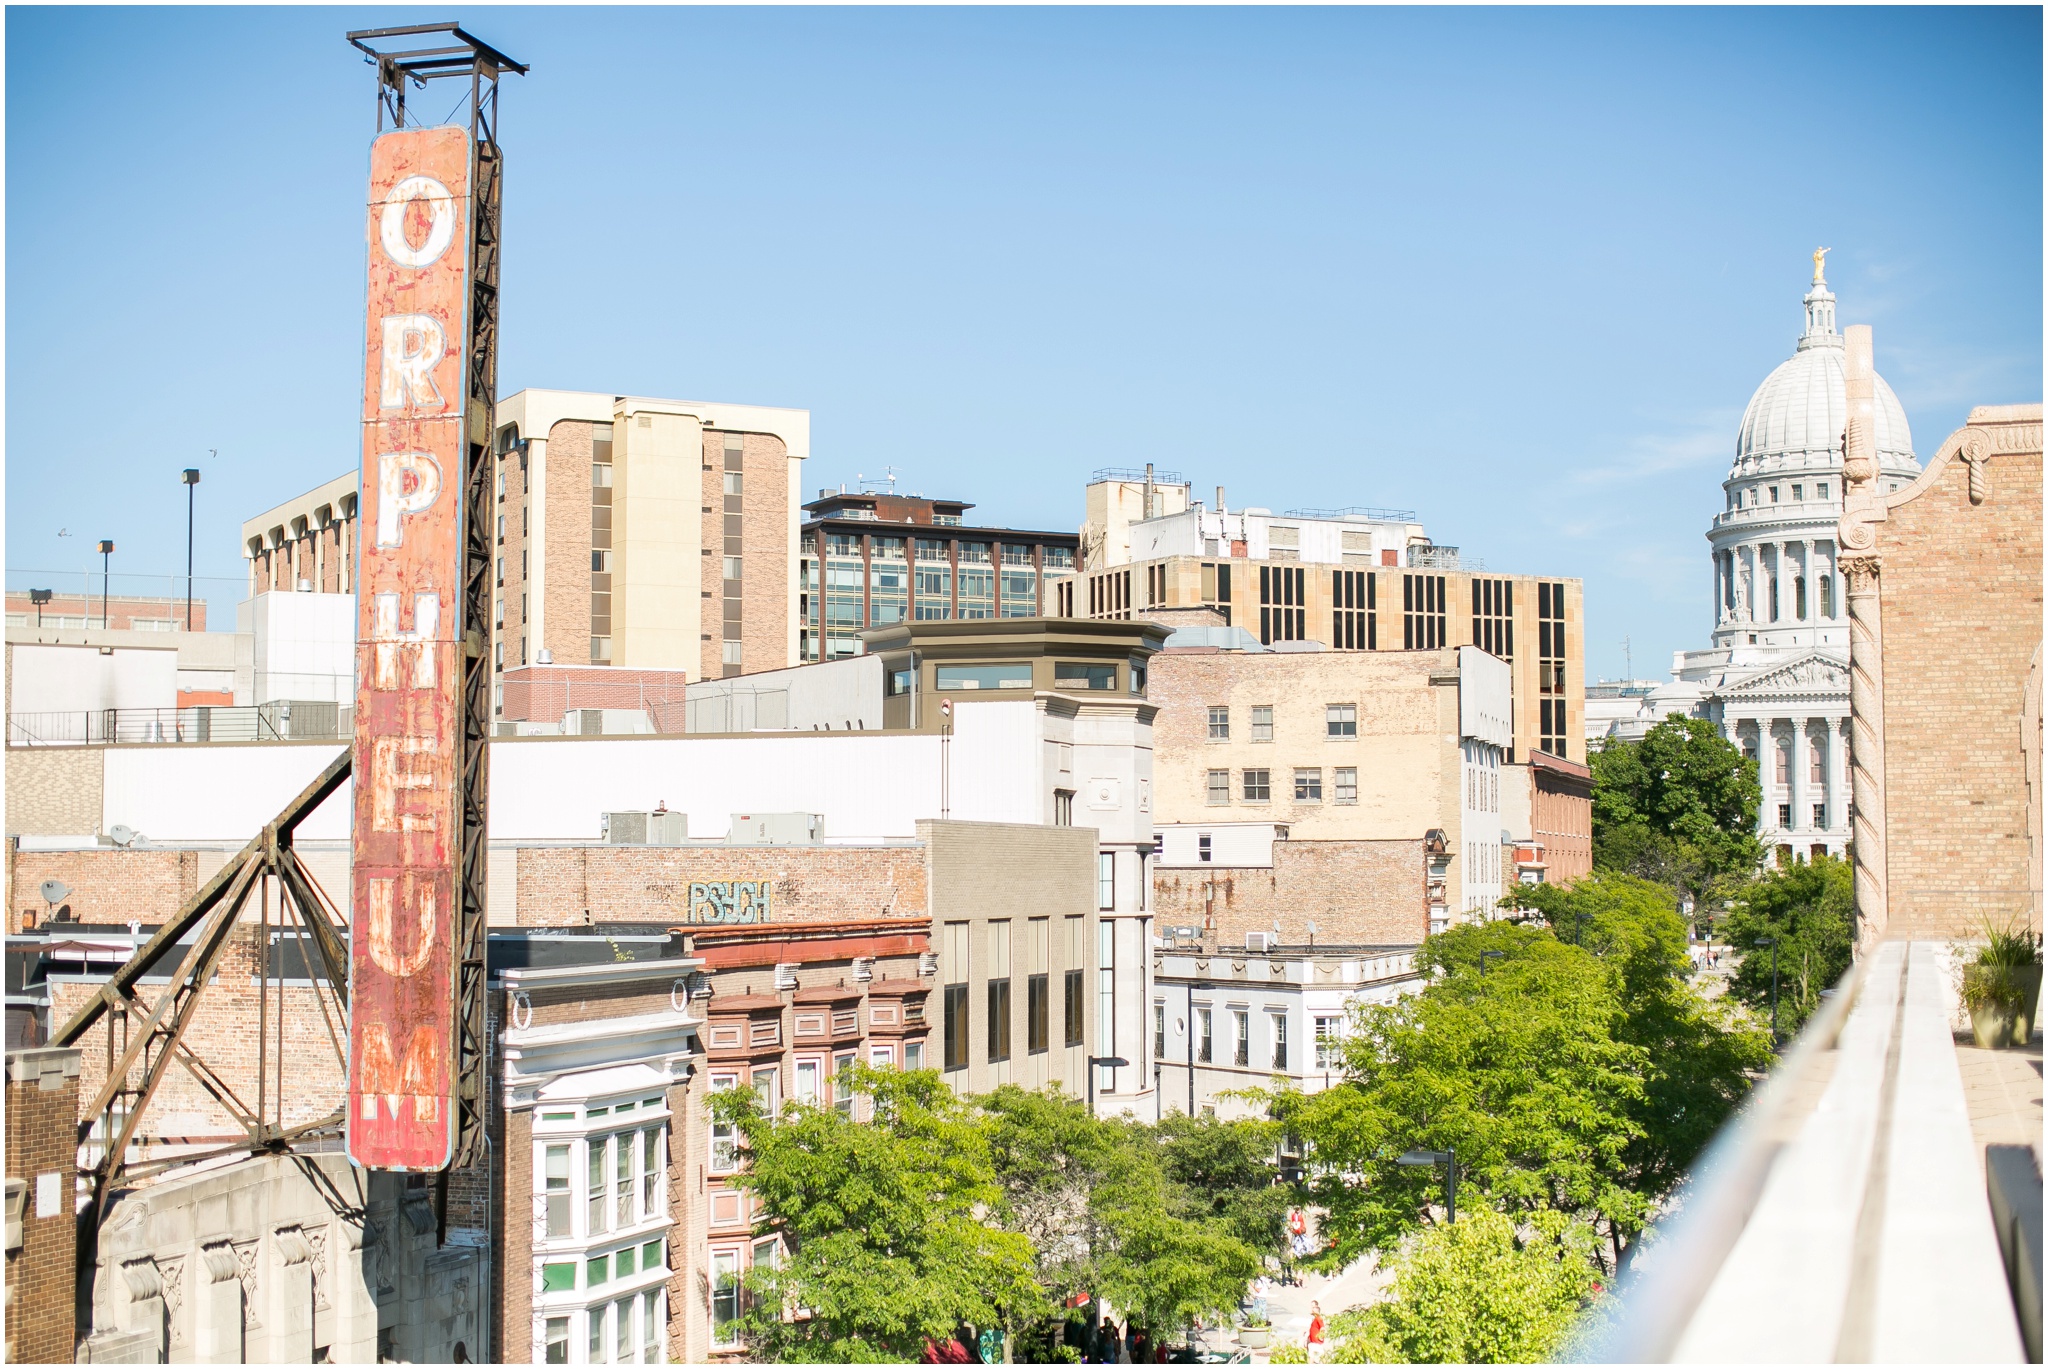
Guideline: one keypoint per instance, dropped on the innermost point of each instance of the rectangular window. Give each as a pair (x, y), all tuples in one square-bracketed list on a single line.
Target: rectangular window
[(1205, 848), (555, 1172), (1038, 1014), (807, 1081), (597, 1270), (956, 1026), (596, 1317), (1105, 880), (842, 1084), (557, 1341), (1079, 675), (1279, 1025), (1283, 596), (1219, 722), (725, 1298), (1241, 1019), (1784, 815), (559, 1277), (1205, 1036), (1552, 708), (998, 990), (1219, 786), (1076, 957), (1347, 784), (1308, 786), (653, 1154), (1105, 988), (1353, 625), (1158, 1031), (1422, 613), (1340, 720), (624, 1175), (1820, 815), (768, 1085), (651, 1325), (913, 1055), (1329, 1043), (1014, 675), (1258, 786), (725, 1141), (1493, 622), (596, 1193), (1262, 722)]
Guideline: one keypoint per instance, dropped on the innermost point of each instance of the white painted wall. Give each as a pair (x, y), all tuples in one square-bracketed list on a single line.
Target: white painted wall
[(1230, 843), (305, 645), (51, 678)]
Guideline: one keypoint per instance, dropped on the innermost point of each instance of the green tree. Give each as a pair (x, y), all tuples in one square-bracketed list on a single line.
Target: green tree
[(1225, 1170), (1678, 807), (1111, 1207), (1520, 1068), (882, 1220), (1700, 1055), (1479, 1292), (1810, 909)]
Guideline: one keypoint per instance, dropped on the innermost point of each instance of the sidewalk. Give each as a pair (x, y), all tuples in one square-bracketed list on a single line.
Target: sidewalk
[(1360, 1284)]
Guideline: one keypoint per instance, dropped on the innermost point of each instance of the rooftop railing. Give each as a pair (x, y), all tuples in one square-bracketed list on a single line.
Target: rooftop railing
[(278, 720)]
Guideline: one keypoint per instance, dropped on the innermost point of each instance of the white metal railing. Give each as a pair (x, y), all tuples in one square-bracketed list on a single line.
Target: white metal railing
[(278, 720)]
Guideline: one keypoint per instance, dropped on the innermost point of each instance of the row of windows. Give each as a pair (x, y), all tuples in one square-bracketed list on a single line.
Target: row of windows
[(1553, 721), (1820, 491), (630, 1330), (1275, 1056), (617, 1184), (1340, 722), (930, 549), (1256, 786)]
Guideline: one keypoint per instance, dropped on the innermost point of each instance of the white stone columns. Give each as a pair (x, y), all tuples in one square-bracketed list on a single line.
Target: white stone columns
[(1799, 786)]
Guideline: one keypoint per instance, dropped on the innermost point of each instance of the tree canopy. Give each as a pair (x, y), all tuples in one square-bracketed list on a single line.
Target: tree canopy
[(1810, 910), (1678, 807), (1577, 1079), (881, 1220), (1478, 1292)]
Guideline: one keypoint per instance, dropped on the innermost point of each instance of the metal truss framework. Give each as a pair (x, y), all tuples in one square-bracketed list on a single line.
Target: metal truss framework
[(144, 1041)]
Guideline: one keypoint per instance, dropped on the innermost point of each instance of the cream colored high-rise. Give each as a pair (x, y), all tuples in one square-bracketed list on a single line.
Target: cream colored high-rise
[(646, 533)]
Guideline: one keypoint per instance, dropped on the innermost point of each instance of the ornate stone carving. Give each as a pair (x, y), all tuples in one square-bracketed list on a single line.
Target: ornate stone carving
[(245, 1258), (173, 1273), (1976, 450)]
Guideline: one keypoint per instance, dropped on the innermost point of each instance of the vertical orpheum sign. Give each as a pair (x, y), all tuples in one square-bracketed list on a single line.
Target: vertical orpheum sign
[(403, 1047)]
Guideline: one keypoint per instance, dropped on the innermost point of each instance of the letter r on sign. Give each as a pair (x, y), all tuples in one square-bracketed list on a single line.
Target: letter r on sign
[(413, 346)]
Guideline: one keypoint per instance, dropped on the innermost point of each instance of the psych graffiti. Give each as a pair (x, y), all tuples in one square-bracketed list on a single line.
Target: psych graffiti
[(733, 900)]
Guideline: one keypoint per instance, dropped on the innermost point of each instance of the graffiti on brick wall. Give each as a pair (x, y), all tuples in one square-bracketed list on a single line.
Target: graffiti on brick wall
[(731, 900)]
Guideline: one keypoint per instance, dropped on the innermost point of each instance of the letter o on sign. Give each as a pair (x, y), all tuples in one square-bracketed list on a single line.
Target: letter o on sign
[(391, 226)]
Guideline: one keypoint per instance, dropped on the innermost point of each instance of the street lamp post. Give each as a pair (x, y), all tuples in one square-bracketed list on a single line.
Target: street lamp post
[(1115, 1062), (191, 503), (1772, 942), (106, 578), (39, 597), (1483, 958), (1448, 1158)]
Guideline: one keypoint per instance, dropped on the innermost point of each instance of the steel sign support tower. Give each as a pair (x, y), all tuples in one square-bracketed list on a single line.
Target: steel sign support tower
[(423, 675)]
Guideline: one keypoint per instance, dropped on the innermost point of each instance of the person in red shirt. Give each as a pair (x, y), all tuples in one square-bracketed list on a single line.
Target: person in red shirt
[(1316, 1325)]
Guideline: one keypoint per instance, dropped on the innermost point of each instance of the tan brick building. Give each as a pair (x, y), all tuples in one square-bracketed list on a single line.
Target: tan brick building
[(1953, 562), (647, 533), (306, 543)]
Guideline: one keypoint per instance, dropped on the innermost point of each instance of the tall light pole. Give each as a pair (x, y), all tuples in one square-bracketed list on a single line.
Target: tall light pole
[(106, 578), (1448, 1158), (1484, 955), (1772, 942), (191, 502)]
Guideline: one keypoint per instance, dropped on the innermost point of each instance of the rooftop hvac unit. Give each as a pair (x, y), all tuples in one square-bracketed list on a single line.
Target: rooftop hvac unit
[(1260, 941), (660, 828), (583, 722), (624, 829), (785, 977), (776, 829)]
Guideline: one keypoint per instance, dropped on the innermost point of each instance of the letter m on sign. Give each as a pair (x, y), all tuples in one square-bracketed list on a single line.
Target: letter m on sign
[(408, 722)]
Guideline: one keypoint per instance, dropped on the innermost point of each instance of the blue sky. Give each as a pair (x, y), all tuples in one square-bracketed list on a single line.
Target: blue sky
[(1517, 270)]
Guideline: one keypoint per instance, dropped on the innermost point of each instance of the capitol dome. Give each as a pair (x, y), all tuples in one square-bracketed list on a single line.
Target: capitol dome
[(1797, 415)]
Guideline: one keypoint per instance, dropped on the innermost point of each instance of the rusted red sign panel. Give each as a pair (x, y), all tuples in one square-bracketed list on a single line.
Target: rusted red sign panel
[(408, 683)]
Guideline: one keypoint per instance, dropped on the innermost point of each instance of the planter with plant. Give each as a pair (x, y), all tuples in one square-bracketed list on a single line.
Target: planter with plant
[(1255, 1332), (2001, 987)]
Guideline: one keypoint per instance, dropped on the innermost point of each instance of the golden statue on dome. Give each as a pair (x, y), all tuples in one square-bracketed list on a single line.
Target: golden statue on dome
[(1819, 263)]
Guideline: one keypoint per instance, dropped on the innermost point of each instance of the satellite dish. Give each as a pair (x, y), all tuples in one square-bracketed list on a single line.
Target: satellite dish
[(122, 834), (55, 891)]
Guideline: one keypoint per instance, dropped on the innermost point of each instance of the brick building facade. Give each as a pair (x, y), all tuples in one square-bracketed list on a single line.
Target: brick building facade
[(1956, 562), (1355, 892), (42, 1226)]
